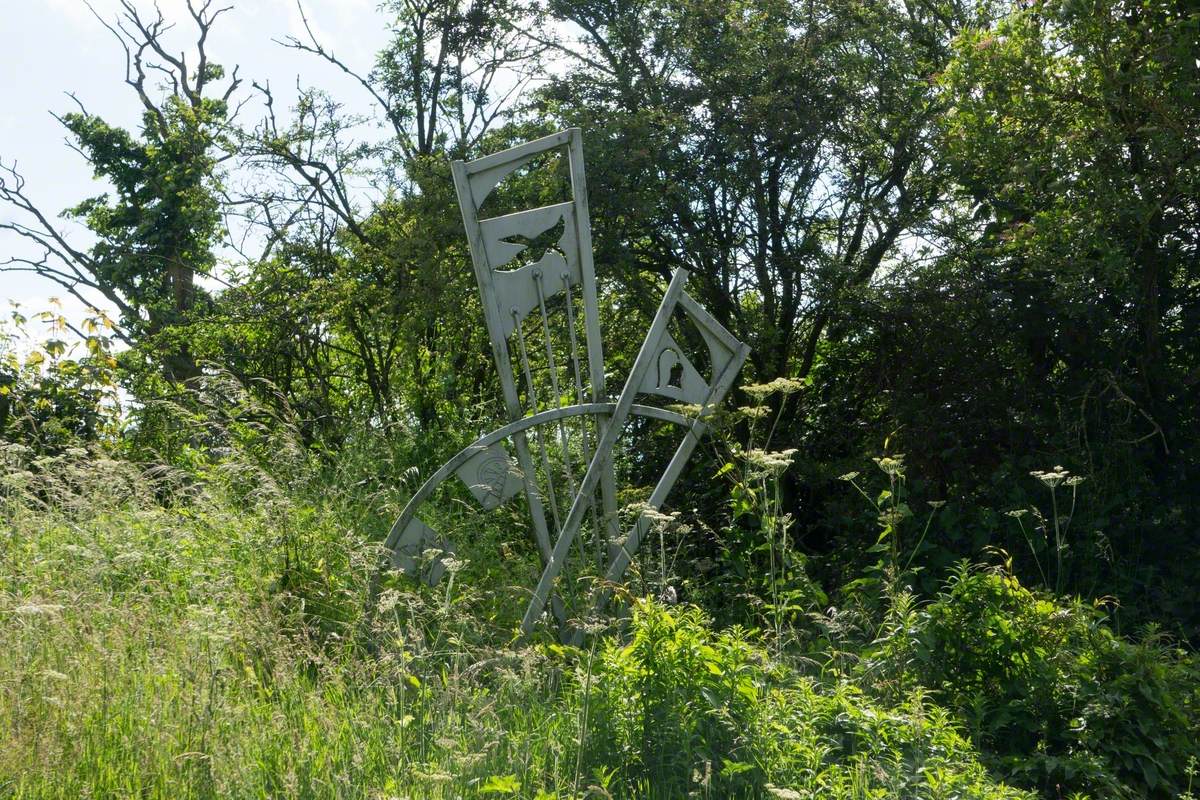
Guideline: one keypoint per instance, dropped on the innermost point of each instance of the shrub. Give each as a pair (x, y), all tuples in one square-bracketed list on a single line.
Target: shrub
[(679, 708), (1052, 697)]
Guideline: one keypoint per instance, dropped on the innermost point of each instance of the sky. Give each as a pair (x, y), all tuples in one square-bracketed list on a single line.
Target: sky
[(56, 47)]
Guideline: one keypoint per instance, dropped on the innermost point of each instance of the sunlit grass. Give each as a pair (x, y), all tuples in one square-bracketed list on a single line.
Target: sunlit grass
[(214, 648)]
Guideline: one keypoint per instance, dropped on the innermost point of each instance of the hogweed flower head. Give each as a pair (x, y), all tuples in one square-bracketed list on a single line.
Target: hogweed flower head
[(773, 462), (1051, 477), (784, 386), (686, 409), (892, 465)]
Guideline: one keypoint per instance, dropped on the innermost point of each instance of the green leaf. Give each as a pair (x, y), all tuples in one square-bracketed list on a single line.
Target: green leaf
[(501, 784), (731, 768)]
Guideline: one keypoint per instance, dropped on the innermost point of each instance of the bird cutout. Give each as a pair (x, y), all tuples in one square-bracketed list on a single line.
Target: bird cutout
[(670, 369), (527, 253), (534, 250), (675, 377)]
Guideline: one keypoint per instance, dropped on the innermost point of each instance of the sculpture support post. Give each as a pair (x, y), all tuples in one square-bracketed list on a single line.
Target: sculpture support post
[(595, 347)]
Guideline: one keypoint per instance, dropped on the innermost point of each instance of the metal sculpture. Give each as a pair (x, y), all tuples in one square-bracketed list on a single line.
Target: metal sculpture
[(521, 300)]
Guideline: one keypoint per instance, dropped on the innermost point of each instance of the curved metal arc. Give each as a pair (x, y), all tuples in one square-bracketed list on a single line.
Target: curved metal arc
[(521, 425)]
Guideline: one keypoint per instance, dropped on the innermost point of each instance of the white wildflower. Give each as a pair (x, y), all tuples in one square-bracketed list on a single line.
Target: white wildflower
[(452, 565), (1051, 477), (774, 462), (892, 465), (784, 386), (388, 599), (686, 409)]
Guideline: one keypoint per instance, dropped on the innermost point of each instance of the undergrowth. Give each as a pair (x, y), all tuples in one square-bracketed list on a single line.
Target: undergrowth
[(214, 646)]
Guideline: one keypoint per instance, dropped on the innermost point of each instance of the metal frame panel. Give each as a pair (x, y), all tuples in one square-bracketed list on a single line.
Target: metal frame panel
[(508, 297)]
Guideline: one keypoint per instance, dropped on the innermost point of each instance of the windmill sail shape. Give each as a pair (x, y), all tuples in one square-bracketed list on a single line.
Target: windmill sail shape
[(510, 296), (538, 292)]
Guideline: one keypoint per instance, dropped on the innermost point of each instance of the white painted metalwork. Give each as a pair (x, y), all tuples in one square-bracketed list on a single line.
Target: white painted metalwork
[(519, 305)]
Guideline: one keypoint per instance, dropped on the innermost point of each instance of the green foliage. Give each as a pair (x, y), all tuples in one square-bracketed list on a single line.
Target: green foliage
[(969, 230), (181, 652), (681, 709), (160, 230), (1053, 696), (778, 150), (999, 280), (50, 400), (760, 562)]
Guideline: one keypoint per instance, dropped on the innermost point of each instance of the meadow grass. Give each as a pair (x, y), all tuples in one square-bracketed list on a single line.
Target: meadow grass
[(208, 647)]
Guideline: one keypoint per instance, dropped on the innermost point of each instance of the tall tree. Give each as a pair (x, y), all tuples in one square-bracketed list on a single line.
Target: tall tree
[(781, 151), (1076, 133), (370, 227), (157, 230)]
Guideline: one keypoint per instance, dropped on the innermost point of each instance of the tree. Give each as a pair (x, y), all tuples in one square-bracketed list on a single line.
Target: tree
[(1059, 326), (1076, 134), (381, 272), (157, 231), (781, 151)]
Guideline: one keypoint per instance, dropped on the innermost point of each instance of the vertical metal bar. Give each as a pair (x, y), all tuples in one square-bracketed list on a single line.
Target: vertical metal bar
[(574, 339), (532, 392), (591, 321), (583, 426), (552, 362)]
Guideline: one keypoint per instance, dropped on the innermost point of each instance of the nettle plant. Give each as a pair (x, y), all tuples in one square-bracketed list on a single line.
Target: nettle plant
[(58, 385)]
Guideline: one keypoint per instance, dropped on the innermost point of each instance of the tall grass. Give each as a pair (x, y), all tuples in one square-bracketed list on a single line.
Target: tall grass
[(207, 647)]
